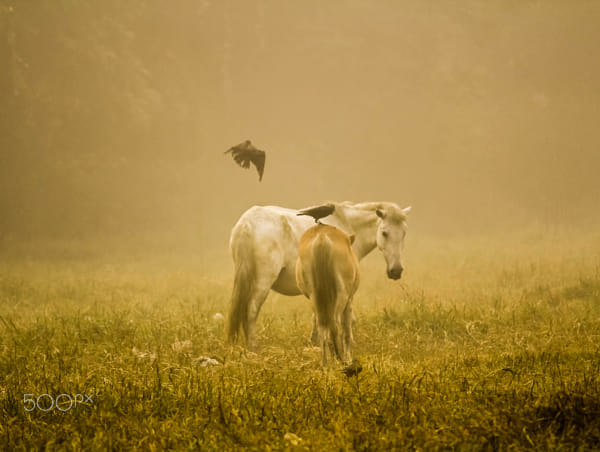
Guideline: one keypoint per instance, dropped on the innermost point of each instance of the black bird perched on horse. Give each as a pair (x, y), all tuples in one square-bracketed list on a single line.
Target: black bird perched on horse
[(318, 212), (245, 152)]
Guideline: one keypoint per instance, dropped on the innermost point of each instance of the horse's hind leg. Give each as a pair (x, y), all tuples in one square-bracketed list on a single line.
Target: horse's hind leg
[(314, 336), (324, 336), (268, 269), (328, 333), (335, 338), (347, 330), (257, 298), (249, 294)]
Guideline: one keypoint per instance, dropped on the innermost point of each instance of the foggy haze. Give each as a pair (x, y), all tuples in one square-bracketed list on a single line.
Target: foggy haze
[(115, 115)]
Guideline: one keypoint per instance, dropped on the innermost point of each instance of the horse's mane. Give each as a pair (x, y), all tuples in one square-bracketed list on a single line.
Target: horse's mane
[(389, 207)]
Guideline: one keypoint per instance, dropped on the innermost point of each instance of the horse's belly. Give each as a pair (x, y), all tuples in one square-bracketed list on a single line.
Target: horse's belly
[(286, 283)]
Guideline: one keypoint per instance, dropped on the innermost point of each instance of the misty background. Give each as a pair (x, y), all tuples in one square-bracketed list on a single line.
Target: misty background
[(115, 115)]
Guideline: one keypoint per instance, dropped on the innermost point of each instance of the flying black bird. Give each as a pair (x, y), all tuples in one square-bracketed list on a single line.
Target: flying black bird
[(318, 212), (354, 368), (244, 153)]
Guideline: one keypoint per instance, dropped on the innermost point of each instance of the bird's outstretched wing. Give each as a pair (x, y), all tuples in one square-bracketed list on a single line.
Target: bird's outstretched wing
[(245, 152), (318, 212)]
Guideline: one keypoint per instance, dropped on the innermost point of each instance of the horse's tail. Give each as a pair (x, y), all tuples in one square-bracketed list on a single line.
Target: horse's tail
[(243, 283), (324, 281), (326, 290)]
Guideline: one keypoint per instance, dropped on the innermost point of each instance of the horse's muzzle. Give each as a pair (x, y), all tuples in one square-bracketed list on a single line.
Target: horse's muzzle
[(395, 272)]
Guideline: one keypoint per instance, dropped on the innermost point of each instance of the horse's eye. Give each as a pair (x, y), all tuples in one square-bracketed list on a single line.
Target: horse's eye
[(384, 234)]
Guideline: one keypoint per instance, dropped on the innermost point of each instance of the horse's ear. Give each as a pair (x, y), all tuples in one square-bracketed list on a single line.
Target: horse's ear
[(380, 213), (351, 237), (406, 210)]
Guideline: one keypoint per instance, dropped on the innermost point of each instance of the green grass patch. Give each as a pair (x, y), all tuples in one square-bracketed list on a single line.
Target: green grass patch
[(467, 353)]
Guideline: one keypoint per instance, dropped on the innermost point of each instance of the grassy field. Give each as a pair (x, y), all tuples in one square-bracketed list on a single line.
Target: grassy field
[(484, 345)]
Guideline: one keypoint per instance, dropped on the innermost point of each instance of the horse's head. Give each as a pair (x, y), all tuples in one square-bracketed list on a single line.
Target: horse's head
[(390, 237)]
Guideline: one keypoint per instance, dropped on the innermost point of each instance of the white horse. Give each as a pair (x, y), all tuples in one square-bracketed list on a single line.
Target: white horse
[(327, 273), (264, 245)]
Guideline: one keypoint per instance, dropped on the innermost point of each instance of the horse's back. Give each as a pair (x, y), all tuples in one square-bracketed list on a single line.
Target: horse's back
[(336, 235), (270, 221), (257, 224)]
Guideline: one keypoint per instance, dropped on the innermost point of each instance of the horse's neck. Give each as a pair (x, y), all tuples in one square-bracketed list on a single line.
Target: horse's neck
[(363, 223)]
